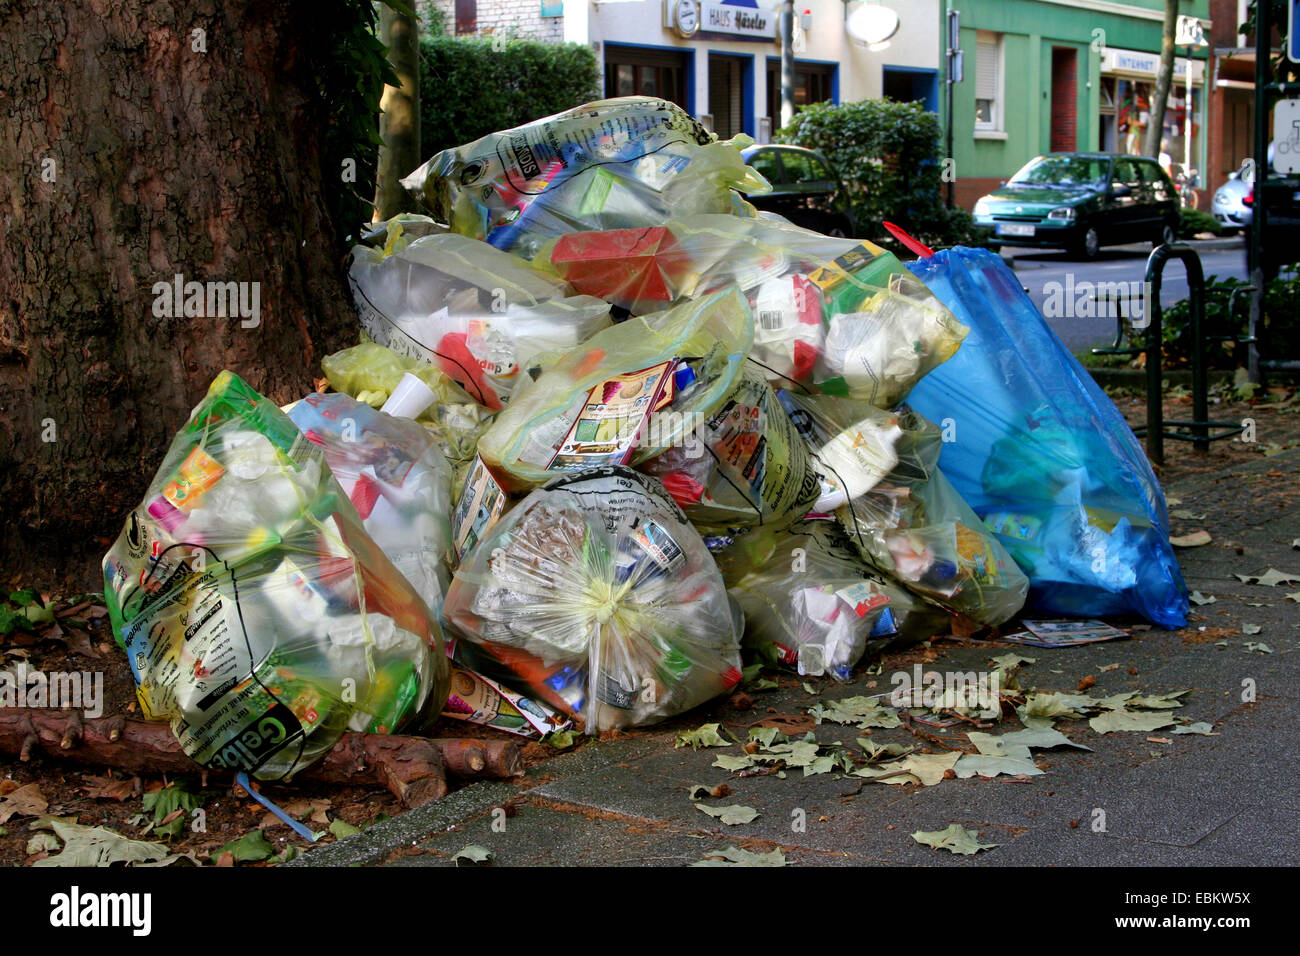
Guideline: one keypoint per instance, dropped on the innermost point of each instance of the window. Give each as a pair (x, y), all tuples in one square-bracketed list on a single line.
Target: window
[(813, 83), (802, 168), (768, 164), (988, 81), (630, 71)]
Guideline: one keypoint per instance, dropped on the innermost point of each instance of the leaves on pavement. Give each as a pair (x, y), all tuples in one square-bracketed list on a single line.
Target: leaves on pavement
[(955, 839)]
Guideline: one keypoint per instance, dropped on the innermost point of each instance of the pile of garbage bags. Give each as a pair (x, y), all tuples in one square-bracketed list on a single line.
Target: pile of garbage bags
[(610, 436)]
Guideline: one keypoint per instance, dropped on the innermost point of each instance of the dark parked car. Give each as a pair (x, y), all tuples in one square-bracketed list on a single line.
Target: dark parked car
[(805, 188), (1081, 202)]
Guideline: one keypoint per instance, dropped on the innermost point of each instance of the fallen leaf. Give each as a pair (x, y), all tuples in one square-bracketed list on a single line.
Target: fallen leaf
[(955, 839), (100, 846), (1270, 578), (1196, 597), (732, 762), (42, 843), (252, 847), (473, 855), (1251, 629), (732, 815), (1261, 648), (1186, 515), (107, 788), (342, 829), (1121, 720), (1193, 539), (562, 739), (982, 765), (1200, 727), (26, 801), (1087, 682), (734, 856), (702, 790), (705, 736), (1294, 596)]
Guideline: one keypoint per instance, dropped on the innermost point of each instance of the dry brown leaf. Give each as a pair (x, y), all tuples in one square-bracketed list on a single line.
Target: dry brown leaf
[(108, 788), (26, 801), (1193, 539)]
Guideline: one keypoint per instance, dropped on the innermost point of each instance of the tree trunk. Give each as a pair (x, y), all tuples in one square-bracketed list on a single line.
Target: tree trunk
[(399, 118), (142, 141), (1164, 79)]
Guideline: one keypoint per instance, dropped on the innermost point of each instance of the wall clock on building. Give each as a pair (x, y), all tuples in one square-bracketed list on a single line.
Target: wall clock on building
[(687, 18)]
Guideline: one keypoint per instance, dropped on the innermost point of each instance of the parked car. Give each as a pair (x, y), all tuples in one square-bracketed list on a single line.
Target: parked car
[(805, 188), (1081, 202), (1228, 205)]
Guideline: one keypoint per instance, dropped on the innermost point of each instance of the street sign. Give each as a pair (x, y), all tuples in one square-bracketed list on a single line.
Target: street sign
[(1286, 136), (1292, 41), (1189, 31)]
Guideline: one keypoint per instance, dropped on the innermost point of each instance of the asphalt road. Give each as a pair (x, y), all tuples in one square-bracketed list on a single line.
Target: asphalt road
[(1040, 269)]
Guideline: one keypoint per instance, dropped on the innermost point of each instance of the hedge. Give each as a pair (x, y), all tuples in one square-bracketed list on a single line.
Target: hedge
[(474, 86)]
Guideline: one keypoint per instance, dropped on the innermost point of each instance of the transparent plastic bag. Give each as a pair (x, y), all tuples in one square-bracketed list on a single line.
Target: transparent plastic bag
[(840, 312), (475, 313), (620, 163), (256, 613), (392, 472), (369, 372), (625, 395), (1044, 455), (743, 464), (811, 603), (912, 525), (596, 595)]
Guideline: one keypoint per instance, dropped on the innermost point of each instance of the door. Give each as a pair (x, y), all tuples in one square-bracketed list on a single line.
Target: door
[(1125, 201)]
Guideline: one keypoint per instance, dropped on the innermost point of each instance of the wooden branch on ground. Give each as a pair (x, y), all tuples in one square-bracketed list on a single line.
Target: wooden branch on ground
[(413, 768)]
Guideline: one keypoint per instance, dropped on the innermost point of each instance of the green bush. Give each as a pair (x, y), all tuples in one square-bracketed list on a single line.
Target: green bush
[(1227, 313), (1193, 221), (887, 155), (471, 87)]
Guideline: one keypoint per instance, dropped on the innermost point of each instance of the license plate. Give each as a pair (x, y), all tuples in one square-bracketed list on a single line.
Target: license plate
[(1015, 229)]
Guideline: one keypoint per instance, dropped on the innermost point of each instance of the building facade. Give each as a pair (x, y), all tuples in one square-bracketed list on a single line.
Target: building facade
[(721, 60), (1062, 75)]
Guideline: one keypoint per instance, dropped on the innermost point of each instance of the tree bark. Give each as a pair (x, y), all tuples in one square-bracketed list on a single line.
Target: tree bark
[(142, 141), (1164, 79), (412, 768), (399, 118)]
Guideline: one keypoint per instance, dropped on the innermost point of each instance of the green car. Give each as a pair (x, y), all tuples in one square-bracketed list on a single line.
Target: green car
[(1081, 202)]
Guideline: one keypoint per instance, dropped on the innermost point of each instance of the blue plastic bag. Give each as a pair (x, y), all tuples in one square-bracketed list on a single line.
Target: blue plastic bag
[(1043, 456)]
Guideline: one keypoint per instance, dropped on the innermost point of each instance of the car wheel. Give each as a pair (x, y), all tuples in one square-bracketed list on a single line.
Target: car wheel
[(1089, 244), (1168, 235)]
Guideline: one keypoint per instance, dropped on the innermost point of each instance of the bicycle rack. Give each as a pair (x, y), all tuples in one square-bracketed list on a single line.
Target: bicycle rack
[(1197, 430)]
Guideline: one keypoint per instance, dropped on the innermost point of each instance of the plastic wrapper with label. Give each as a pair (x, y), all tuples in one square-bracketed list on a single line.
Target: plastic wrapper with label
[(911, 524), (596, 595), (613, 164), (396, 478), (623, 396), (473, 312), (370, 373), (841, 312), (1045, 457), (256, 613), (743, 464), (811, 603)]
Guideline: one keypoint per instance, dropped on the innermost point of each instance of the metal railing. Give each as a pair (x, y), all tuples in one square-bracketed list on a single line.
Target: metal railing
[(1198, 430)]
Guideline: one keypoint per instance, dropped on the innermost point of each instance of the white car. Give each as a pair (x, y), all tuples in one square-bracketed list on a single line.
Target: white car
[(1228, 206)]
